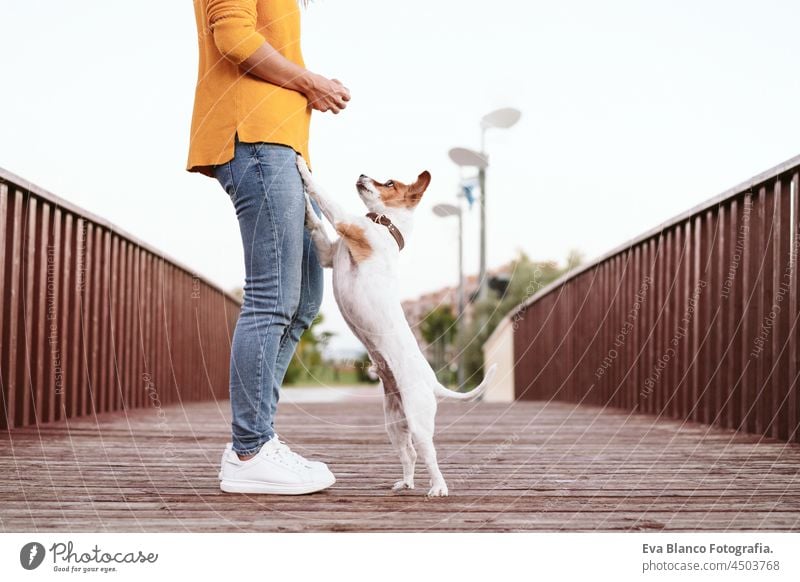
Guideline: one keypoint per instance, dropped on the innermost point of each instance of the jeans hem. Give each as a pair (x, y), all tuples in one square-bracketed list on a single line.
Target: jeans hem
[(255, 449)]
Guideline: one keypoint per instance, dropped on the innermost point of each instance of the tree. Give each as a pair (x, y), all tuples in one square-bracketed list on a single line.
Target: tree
[(438, 329), (527, 277), (307, 359)]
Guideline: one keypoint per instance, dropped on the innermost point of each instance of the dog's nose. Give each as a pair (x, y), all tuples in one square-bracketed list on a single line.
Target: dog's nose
[(362, 176)]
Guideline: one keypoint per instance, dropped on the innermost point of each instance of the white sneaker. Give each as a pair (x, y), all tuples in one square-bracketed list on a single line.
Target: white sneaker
[(319, 465), (301, 458), (274, 470)]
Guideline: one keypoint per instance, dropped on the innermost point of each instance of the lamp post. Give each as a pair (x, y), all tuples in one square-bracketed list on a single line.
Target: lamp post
[(463, 157), (443, 211), (467, 158)]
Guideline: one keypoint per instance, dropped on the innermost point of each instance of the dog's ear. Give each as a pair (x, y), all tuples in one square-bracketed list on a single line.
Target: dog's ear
[(417, 189)]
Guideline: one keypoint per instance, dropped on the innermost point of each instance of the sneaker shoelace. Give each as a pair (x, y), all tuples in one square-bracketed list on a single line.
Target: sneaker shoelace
[(283, 449)]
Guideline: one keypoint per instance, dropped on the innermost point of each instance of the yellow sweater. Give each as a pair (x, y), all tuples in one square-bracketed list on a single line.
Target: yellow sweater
[(228, 100)]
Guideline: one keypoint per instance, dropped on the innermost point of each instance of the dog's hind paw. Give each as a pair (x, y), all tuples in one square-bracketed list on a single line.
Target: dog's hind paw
[(439, 490), (402, 484)]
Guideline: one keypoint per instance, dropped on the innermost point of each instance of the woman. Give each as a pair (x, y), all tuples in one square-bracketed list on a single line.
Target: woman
[(252, 109)]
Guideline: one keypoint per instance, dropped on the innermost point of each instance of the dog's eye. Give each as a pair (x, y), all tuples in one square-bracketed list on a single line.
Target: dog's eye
[(390, 184)]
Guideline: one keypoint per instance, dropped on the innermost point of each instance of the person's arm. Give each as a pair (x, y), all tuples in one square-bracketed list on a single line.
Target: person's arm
[(233, 24), (322, 94)]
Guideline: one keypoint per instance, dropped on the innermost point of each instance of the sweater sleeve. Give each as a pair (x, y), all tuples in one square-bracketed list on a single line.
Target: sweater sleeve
[(233, 24)]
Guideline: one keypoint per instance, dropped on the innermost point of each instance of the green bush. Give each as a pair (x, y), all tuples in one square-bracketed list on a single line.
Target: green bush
[(527, 277)]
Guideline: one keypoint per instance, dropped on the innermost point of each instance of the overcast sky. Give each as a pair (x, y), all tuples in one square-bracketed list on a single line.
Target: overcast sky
[(632, 112)]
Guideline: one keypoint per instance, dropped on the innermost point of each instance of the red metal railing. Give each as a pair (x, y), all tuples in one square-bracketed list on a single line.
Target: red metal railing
[(696, 319), (93, 320)]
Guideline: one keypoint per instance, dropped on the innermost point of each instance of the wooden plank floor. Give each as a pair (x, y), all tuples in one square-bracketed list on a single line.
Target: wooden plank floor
[(526, 466)]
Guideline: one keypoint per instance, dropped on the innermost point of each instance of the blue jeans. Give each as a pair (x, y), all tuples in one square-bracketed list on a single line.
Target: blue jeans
[(283, 283)]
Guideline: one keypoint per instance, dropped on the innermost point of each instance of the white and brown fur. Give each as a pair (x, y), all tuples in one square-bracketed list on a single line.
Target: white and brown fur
[(365, 283)]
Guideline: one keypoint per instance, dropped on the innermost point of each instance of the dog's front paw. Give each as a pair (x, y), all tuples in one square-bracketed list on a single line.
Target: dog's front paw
[(305, 173), (438, 490), (402, 484)]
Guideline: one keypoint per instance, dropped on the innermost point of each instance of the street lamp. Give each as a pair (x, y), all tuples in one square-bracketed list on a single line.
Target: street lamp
[(443, 211), (463, 157), (500, 119), (467, 158)]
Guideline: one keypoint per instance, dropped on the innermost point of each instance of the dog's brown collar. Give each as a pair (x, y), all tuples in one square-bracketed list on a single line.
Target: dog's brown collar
[(384, 220)]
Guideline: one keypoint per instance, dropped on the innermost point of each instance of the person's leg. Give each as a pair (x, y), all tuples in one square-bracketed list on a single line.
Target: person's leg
[(267, 192), (311, 289)]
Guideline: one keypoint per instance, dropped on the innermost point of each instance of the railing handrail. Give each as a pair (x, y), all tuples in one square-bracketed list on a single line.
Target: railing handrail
[(22, 183), (683, 216)]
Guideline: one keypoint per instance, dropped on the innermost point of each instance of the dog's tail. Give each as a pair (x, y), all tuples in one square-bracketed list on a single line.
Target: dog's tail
[(443, 392)]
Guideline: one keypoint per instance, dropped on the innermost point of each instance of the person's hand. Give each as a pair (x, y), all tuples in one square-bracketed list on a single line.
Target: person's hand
[(327, 94)]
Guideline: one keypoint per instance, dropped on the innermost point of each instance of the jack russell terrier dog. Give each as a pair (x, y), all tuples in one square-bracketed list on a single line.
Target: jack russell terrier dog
[(365, 284)]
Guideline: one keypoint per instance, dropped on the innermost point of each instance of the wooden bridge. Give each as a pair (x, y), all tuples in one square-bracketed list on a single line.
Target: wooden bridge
[(521, 467), (656, 389)]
